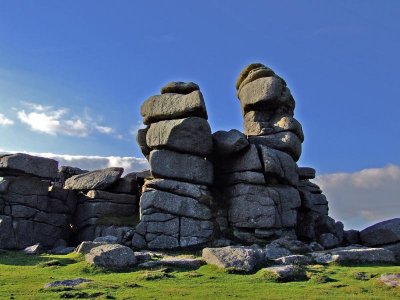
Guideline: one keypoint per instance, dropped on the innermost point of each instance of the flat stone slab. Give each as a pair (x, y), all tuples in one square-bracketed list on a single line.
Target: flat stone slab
[(187, 263), (95, 180), (179, 87), (20, 163), (173, 106), (353, 255), (66, 283)]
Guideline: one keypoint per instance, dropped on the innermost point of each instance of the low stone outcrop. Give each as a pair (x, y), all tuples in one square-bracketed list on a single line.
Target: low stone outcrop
[(287, 273)]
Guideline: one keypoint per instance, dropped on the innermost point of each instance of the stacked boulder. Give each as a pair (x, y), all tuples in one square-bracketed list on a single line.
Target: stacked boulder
[(32, 210), (175, 203), (260, 180), (264, 195), (107, 204)]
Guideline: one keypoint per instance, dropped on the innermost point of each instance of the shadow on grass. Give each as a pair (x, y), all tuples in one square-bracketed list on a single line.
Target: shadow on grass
[(17, 258)]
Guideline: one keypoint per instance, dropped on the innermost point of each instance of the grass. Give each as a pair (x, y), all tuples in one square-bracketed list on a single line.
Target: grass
[(23, 277)]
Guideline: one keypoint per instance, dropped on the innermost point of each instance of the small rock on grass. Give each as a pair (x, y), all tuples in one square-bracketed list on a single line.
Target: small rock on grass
[(392, 280), (66, 283), (287, 273)]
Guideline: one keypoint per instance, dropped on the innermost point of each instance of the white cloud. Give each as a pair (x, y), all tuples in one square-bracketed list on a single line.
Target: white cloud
[(363, 198), (46, 119), (130, 164), (4, 121), (104, 129)]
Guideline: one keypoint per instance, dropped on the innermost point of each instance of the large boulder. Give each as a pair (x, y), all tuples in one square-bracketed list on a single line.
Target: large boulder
[(255, 206), (382, 233), (174, 204), (20, 163), (178, 166), (173, 106), (261, 93), (95, 180), (190, 135), (111, 256), (228, 142), (279, 165), (246, 160), (239, 258)]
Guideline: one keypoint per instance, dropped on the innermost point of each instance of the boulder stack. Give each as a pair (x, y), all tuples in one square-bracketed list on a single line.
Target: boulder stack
[(264, 195), (175, 201), (32, 210)]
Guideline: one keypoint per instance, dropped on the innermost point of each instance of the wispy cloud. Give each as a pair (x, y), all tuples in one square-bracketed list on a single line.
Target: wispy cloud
[(4, 121), (362, 198), (55, 121), (88, 162)]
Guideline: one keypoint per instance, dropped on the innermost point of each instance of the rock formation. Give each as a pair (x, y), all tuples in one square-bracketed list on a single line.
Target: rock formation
[(31, 210), (223, 189), (175, 202), (265, 194)]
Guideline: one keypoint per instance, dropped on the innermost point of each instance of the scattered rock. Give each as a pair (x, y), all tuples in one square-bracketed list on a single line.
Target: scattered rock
[(111, 256), (66, 283), (392, 280), (34, 249), (288, 273), (238, 259)]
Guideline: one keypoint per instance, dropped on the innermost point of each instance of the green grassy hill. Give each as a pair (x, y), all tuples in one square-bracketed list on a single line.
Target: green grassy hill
[(23, 277)]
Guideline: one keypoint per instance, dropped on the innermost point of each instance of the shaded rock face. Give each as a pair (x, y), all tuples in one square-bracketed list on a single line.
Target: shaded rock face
[(32, 212), (175, 206)]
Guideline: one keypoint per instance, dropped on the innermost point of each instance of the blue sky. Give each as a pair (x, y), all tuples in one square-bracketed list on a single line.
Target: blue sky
[(73, 74)]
